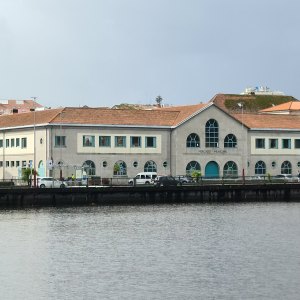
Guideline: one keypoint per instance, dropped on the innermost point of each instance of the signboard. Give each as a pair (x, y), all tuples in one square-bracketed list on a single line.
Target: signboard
[(121, 169), (49, 164), (30, 165)]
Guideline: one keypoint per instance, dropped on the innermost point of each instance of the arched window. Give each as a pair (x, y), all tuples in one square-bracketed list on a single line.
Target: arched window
[(230, 141), (286, 167), (212, 134), (260, 168), (150, 166), (90, 167), (122, 168), (230, 169), (192, 166), (193, 141)]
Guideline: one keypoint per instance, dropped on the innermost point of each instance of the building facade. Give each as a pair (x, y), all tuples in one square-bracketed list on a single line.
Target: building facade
[(173, 140)]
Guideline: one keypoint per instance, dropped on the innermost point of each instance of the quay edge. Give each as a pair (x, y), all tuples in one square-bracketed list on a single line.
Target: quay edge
[(149, 195)]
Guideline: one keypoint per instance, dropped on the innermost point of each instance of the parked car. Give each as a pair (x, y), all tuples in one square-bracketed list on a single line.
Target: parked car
[(144, 178), (157, 178), (50, 182), (285, 178), (184, 179), (167, 181)]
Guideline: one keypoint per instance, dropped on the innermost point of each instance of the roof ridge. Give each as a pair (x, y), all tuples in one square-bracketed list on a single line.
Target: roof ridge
[(63, 108)]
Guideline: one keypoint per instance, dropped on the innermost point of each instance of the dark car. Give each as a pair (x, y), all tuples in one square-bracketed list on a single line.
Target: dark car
[(184, 179), (167, 181)]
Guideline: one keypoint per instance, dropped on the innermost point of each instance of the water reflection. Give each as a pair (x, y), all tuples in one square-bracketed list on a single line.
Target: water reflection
[(230, 251)]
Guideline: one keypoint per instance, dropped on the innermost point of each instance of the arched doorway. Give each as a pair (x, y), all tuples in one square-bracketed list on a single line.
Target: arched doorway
[(41, 169), (212, 169)]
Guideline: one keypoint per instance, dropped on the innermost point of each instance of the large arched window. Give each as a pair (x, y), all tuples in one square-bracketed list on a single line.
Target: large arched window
[(192, 166), (230, 141), (121, 169), (286, 167), (212, 134), (260, 168), (90, 167), (150, 166), (193, 141), (230, 169)]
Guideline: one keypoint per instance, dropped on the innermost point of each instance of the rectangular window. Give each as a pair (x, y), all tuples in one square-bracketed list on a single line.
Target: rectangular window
[(1, 164), (150, 142), (104, 141), (17, 163), (135, 141), (24, 143), (120, 141), (12, 164), (260, 143), (7, 163), (297, 144), (273, 143), (286, 144), (12, 142), (60, 141), (24, 163), (88, 141), (17, 142), (1, 143), (7, 143)]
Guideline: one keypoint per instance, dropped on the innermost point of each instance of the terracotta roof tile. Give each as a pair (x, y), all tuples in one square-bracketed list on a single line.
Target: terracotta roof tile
[(23, 119), (184, 111), (269, 121), (116, 117), (292, 105)]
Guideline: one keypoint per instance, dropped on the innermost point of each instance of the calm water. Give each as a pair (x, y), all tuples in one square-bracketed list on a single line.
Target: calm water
[(232, 251)]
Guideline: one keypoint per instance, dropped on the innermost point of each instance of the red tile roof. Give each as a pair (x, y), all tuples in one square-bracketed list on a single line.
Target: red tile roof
[(43, 116), (184, 111), (20, 105), (292, 105), (269, 121), (169, 116), (116, 117), (251, 103)]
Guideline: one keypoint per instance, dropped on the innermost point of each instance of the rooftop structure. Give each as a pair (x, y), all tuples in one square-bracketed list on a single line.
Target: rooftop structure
[(260, 91), (8, 107)]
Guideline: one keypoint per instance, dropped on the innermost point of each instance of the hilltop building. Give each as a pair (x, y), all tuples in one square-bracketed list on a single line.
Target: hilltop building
[(8, 107), (218, 138)]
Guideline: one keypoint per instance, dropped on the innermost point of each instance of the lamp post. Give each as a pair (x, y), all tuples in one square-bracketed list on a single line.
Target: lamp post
[(34, 144), (241, 105), (61, 144)]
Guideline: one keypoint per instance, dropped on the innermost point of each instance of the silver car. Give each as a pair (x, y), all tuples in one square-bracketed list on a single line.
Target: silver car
[(50, 182)]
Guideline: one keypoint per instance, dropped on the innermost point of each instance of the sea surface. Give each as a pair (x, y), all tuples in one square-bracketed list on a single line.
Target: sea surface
[(196, 251)]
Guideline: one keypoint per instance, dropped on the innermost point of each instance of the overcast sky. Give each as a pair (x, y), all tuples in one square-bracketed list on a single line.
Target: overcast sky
[(107, 52)]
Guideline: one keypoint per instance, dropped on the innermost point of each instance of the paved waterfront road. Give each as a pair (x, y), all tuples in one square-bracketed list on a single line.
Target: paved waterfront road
[(203, 251)]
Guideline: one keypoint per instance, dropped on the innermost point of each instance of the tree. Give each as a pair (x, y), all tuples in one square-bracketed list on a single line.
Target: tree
[(27, 173), (196, 175), (159, 99), (117, 168)]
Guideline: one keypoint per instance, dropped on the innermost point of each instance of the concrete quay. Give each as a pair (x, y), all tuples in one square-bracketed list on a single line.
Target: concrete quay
[(147, 195)]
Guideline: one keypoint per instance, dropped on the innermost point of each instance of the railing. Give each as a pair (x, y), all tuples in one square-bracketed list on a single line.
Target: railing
[(129, 182)]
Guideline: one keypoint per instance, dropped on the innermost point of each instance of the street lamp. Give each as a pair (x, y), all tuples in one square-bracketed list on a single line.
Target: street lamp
[(61, 144), (241, 105), (34, 145)]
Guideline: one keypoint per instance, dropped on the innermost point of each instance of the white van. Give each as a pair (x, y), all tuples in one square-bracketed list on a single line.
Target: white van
[(144, 178)]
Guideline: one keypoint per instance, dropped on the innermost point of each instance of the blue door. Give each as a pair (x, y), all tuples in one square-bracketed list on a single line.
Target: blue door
[(212, 169)]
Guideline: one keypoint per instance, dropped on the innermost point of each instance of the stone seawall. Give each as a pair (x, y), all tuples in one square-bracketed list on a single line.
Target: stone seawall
[(148, 195)]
